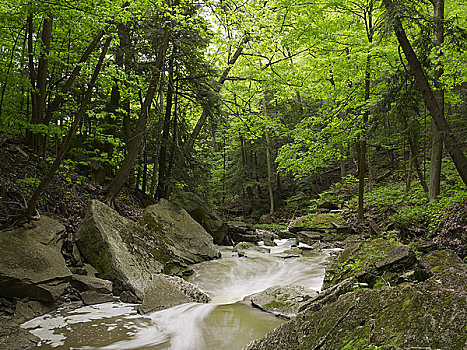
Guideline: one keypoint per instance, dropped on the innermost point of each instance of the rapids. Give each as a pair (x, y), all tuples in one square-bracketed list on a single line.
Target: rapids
[(227, 322)]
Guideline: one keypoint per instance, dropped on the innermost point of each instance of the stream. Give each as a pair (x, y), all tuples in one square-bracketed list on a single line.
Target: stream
[(228, 322)]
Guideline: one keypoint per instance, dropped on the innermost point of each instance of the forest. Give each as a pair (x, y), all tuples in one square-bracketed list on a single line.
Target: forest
[(266, 110)]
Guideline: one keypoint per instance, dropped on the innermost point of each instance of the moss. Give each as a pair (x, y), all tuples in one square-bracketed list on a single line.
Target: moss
[(322, 221), (275, 305)]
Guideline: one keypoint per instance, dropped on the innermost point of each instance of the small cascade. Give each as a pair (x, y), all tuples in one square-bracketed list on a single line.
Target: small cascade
[(228, 322)]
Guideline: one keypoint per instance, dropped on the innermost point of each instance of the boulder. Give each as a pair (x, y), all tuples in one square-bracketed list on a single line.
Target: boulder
[(283, 301), (123, 251), (92, 290), (204, 213), (185, 237), (31, 264), (406, 317), (164, 292), (308, 237), (375, 263)]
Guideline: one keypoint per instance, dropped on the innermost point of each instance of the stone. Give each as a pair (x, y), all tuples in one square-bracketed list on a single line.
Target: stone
[(31, 264), (185, 237), (283, 301), (13, 337), (164, 292), (204, 213), (123, 251), (308, 237), (265, 219), (405, 317), (398, 258), (129, 297), (92, 290)]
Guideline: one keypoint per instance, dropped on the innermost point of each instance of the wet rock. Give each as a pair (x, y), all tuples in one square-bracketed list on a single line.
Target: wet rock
[(308, 237), (185, 237), (283, 301), (242, 247), (31, 264), (164, 292), (27, 309), (129, 297), (123, 251), (204, 213), (92, 290), (242, 232)]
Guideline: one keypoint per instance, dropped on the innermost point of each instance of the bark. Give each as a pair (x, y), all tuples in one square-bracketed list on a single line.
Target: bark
[(42, 74), (31, 205), (268, 161), (453, 147), (162, 184), (32, 79), (436, 142), (122, 175)]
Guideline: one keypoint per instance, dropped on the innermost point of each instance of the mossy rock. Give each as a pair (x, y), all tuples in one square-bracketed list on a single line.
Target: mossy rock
[(386, 317), (376, 263)]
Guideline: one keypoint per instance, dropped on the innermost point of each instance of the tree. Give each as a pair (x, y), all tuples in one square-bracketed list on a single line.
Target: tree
[(452, 146)]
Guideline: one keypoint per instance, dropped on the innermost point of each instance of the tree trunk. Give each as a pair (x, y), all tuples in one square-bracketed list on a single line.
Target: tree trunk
[(31, 205), (122, 175), (268, 161), (452, 145), (42, 74), (163, 163), (436, 142)]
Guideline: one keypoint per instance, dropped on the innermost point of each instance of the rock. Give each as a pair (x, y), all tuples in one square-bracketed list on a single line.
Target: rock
[(129, 297), (405, 317), (189, 289), (265, 219), (376, 263), (164, 292), (398, 258), (92, 290), (185, 237), (203, 213), (284, 301), (242, 232), (295, 251), (446, 269), (297, 224), (328, 205), (13, 337), (123, 251), (242, 247), (31, 264), (308, 237), (28, 309)]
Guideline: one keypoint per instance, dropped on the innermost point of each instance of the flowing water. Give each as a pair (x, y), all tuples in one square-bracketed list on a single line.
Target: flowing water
[(227, 322)]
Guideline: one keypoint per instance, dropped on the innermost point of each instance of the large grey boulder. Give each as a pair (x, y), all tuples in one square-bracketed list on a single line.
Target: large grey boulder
[(167, 291), (31, 264), (185, 237), (204, 213), (121, 250)]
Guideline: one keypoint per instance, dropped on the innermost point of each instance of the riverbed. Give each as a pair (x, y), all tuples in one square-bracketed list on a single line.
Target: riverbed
[(228, 322)]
